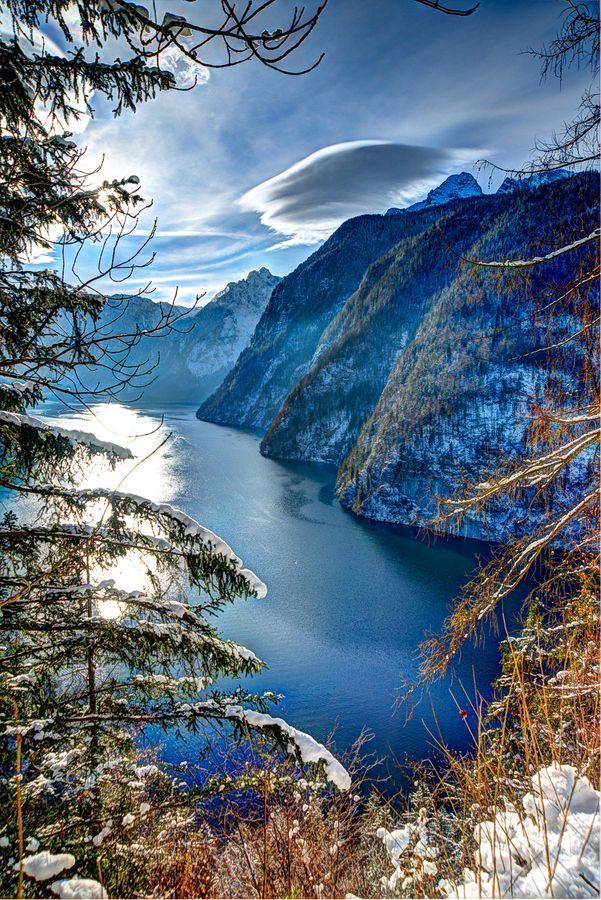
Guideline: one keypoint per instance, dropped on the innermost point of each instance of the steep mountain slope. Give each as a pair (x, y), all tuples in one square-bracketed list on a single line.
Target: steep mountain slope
[(388, 352), (458, 395), (299, 310), (321, 417), (192, 360)]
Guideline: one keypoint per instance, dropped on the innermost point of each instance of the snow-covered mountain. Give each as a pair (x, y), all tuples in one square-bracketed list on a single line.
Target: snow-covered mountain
[(530, 182), (191, 362), (455, 187), (221, 330)]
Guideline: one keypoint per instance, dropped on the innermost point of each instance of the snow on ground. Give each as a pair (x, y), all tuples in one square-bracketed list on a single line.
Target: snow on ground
[(545, 846)]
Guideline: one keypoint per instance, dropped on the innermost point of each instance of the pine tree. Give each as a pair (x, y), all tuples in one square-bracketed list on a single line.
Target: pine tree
[(87, 665)]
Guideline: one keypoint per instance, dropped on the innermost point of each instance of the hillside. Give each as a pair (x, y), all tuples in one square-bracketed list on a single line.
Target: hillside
[(414, 378)]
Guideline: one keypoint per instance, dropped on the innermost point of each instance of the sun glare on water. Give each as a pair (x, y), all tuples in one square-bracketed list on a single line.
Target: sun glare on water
[(145, 435), (149, 474)]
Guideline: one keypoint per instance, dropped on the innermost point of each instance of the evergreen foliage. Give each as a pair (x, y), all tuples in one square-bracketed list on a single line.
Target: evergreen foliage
[(87, 665)]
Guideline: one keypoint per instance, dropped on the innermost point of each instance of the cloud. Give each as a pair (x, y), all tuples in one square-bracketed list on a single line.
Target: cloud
[(311, 198)]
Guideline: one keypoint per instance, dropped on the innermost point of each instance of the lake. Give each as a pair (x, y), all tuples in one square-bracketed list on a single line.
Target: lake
[(348, 601)]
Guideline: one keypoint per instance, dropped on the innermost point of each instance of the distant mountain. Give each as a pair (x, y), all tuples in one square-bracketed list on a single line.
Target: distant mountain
[(529, 182), (418, 375), (455, 187), (192, 360)]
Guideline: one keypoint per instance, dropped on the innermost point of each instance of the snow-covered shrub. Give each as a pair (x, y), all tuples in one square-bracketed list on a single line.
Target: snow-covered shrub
[(546, 845)]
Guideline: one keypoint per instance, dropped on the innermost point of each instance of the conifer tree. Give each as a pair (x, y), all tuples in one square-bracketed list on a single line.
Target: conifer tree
[(86, 665)]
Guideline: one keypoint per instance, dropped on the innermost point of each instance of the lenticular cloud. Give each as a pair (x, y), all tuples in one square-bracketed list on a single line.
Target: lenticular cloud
[(310, 199)]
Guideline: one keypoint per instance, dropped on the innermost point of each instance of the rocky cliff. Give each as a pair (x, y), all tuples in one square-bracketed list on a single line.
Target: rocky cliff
[(416, 372)]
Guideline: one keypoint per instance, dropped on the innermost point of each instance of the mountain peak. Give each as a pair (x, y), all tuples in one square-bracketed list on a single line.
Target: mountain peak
[(455, 187), (251, 291), (260, 276), (529, 182)]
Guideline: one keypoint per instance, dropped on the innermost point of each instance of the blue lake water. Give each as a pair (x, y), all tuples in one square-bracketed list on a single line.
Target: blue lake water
[(348, 601)]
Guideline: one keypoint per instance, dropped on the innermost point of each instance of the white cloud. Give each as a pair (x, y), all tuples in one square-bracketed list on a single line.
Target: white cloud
[(188, 74), (307, 201)]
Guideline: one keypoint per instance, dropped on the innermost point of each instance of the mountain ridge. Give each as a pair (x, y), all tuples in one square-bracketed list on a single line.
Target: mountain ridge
[(349, 377)]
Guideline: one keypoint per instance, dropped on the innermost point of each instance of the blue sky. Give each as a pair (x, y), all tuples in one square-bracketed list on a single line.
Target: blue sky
[(255, 168)]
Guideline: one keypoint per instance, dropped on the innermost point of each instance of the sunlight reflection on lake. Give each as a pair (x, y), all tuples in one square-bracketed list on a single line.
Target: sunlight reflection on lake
[(147, 437), (148, 475)]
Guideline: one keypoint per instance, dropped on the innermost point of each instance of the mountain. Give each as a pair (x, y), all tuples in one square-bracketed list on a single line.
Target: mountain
[(192, 359), (455, 187), (529, 182), (422, 373), (294, 326), (458, 395), (323, 413)]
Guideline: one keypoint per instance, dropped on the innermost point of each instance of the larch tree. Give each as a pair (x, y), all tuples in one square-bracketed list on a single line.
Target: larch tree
[(519, 814), (549, 688), (87, 665)]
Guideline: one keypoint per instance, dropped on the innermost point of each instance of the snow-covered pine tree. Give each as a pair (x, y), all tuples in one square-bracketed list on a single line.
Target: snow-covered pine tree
[(85, 664)]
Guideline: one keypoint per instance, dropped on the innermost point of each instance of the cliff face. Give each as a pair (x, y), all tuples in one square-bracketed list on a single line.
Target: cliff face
[(300, 309), (389, 355)]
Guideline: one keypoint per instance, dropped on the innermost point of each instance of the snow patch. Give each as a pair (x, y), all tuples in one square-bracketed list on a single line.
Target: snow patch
[(44, 865), (79, 889), (548, 848)]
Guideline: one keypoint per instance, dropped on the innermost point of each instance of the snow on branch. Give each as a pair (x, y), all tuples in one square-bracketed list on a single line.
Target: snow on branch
[(76, 437), (310, 750), (533, 473), (537, 260), (585, 415), (191, 528), (523, 560)]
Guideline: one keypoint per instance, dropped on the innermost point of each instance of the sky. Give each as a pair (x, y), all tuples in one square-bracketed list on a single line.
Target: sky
[(255, 168)]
